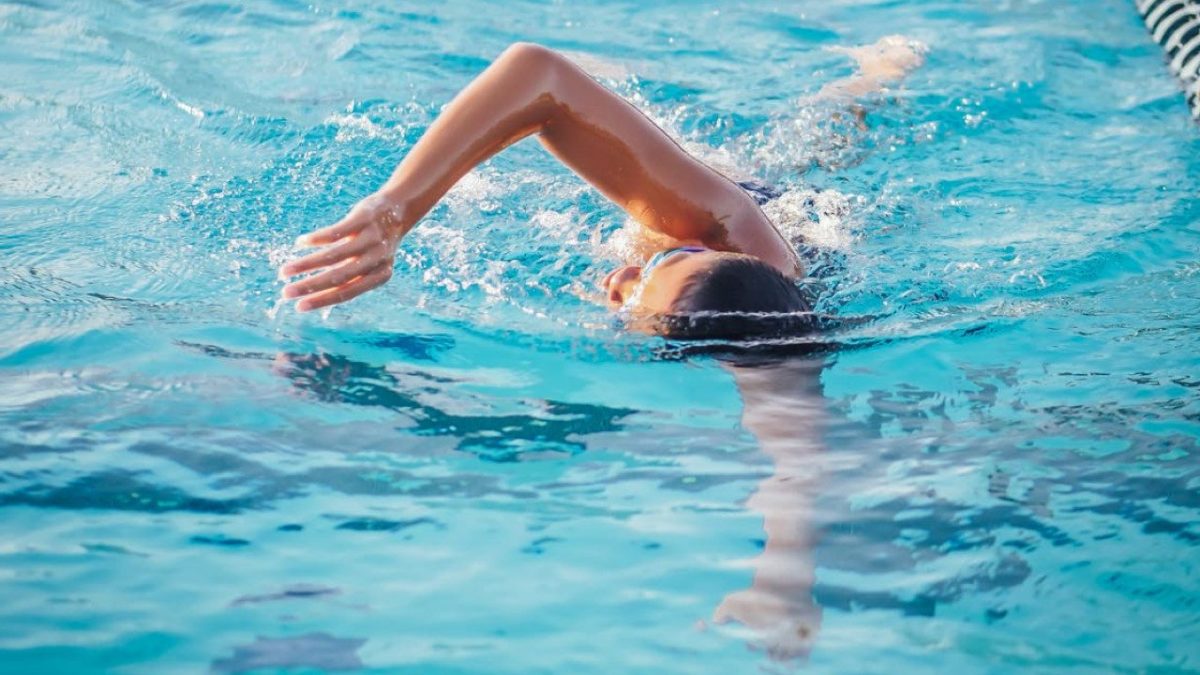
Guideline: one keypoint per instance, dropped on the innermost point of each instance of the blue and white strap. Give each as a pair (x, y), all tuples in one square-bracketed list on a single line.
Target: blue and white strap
[(1175, 25)]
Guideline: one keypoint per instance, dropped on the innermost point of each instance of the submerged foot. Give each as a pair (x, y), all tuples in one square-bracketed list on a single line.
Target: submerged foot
[(885, 61)]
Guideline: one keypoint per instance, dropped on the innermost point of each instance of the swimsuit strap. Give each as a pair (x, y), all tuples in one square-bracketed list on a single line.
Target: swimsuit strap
[(760, 193)]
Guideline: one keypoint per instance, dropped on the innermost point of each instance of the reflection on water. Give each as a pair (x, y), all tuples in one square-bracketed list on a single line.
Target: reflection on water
[(556, 428), (499, 438), (295, 591), (854, 504), (319, 651), (785, 411), (853, 489)]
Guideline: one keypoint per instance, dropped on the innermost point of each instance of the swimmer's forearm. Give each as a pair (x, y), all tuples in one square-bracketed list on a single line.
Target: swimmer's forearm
[(504, 104)]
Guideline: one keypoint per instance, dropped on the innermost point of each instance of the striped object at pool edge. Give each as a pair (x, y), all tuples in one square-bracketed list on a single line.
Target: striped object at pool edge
[(1175, 26)]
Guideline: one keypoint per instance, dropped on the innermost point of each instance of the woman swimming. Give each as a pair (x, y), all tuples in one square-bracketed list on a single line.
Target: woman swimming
[(717, 253), (720, 253)]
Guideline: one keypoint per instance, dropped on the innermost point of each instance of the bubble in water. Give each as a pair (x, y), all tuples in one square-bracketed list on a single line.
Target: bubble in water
[(273, 312), (821, 218)]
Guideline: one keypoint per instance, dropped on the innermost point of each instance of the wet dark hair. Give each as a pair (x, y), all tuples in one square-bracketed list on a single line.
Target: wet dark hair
[(736, 298)]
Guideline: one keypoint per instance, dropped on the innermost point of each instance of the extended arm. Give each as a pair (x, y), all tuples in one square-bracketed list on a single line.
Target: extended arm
[(607, 141), (785, 410)]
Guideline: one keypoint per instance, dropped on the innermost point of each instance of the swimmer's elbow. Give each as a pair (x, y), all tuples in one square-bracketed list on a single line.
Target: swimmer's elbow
[(544, 75), (531, 58)]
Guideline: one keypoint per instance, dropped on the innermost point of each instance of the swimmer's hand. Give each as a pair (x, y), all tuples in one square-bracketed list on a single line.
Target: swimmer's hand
[(357, 255), (786, 629)]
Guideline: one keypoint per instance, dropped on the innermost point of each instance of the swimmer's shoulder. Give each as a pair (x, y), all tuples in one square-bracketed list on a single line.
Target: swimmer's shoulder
[(752, 232)]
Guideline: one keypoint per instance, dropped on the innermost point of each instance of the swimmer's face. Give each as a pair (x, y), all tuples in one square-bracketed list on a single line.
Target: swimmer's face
[(654, 291)]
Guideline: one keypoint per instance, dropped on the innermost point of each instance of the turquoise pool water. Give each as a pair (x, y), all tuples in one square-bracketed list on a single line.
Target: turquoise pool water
[(473, 470)]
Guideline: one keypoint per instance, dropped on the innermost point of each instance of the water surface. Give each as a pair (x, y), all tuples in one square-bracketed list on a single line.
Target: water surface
[(473, 469)]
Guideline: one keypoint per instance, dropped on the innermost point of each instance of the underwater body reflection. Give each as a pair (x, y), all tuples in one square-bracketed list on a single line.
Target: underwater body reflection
[(783, 410)]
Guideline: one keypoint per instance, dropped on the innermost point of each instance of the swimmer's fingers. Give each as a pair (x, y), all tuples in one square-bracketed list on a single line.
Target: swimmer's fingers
[(355, 221), (381, 211), (335, 276), (326, 257), (353, 289)]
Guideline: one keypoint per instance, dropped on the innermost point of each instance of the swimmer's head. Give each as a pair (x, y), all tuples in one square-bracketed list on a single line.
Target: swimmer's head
[(653, 288), (701, 293)]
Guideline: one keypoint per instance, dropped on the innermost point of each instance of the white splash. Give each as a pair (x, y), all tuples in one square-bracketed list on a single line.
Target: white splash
[(824, 218), (356, 125)]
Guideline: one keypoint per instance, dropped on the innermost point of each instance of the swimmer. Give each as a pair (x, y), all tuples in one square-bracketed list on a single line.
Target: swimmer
[(718, 253)]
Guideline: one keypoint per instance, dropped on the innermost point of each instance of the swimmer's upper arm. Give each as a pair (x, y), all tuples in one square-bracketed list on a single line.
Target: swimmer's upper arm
[(631, 160)]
